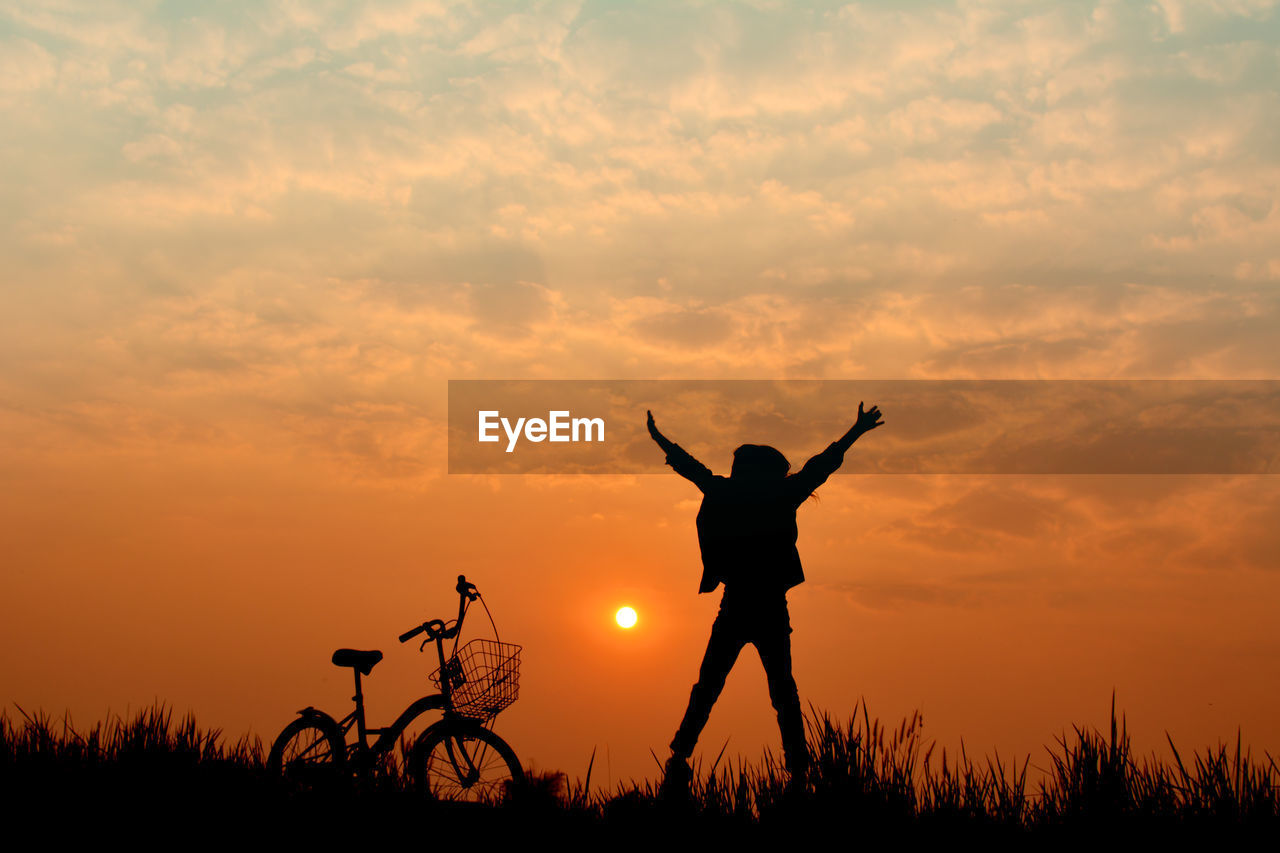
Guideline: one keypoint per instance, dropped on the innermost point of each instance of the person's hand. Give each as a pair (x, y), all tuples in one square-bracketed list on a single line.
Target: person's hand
[(653, 427), (869, 419)]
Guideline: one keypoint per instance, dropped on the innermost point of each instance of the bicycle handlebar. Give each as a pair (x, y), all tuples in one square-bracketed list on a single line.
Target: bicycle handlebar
[(435, 628)]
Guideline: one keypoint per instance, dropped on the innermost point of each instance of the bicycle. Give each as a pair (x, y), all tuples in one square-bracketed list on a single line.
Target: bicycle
[(456, 758)]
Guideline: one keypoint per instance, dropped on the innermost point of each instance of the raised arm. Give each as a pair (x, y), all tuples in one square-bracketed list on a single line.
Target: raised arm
[(679, 460), (665, 443), (816, 471)]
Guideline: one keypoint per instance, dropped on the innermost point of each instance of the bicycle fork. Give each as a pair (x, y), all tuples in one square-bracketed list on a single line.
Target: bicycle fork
[(467, 775)]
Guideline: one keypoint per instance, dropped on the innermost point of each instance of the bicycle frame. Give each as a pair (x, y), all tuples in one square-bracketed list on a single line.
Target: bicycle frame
[(387, 736)]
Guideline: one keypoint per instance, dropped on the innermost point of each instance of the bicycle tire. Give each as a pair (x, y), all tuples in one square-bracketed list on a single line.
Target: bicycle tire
[(465, 762), (309, 754)]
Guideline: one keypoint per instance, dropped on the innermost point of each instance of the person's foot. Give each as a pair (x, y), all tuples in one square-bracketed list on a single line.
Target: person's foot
[(796, 781), (675, 779), (798, 774)]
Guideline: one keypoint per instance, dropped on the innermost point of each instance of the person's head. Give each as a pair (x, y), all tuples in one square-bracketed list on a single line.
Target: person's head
[(759, 462)]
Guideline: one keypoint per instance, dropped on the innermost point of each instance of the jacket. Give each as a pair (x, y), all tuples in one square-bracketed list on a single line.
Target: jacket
[(747, 529)]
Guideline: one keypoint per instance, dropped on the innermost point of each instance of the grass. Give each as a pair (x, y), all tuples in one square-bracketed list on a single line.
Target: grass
[(866, 779)]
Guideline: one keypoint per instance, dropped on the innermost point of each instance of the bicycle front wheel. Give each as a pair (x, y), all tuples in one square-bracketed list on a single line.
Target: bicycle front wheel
[(465, 762)]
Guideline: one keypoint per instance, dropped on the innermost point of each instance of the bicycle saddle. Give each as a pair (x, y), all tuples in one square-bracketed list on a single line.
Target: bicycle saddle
[(363, 661)]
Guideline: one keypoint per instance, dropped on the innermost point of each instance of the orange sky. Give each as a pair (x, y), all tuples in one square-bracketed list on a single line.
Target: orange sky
[(246, 249)]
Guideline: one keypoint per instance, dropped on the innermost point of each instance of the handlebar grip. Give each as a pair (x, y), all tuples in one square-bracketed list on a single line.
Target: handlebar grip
[(434, 628)]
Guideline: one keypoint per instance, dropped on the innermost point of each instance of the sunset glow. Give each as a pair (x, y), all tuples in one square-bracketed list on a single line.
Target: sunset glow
[(625, 617), (247, 245)]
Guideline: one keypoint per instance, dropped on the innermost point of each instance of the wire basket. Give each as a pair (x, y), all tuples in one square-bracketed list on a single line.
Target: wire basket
[(482, 678)]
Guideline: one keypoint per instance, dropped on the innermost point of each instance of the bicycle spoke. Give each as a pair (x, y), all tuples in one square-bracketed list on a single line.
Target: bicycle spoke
[(317, 750)]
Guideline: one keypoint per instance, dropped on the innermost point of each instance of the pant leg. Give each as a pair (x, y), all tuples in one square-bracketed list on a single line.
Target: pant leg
[(726, 642), (773, 641)]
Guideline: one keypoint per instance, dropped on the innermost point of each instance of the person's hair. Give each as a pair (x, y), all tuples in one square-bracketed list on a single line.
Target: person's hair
[(759, 462)]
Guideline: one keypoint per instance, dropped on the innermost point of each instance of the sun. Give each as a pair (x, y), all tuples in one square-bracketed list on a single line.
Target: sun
[(626, 617)]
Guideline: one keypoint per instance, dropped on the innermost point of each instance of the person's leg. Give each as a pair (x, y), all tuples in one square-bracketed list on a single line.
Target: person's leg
[(773, 641), (722, 651)]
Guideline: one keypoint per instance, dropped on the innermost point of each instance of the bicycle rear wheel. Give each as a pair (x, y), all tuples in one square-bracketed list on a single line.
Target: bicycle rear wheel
[(465, 762), (308, 755)]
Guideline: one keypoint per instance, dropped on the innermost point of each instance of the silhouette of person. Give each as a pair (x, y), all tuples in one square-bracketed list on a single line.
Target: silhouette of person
[(747, 535)]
